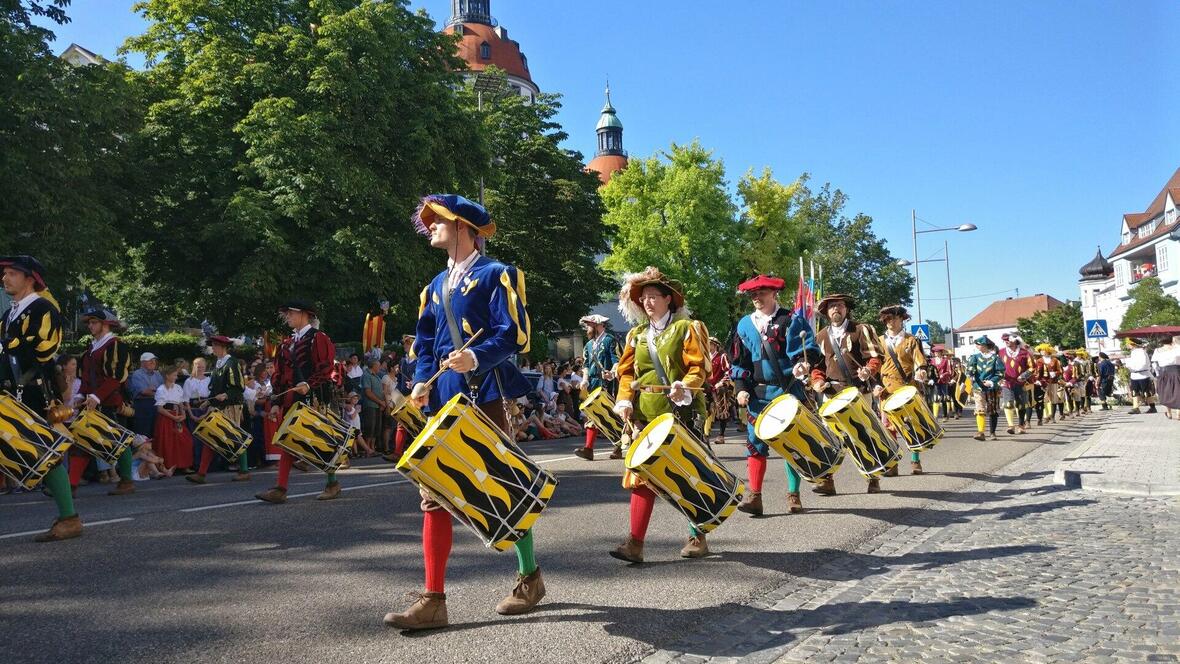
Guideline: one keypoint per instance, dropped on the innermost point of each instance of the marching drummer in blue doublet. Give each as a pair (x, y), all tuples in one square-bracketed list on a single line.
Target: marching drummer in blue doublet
[(474, 293), (767, 345), (599, 359)]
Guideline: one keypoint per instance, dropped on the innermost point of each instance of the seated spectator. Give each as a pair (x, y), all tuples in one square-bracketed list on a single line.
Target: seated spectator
[(352, 416), (566, 423), (146, 464)]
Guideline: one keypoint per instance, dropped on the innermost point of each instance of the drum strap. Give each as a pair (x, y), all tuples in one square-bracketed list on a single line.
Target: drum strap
[(655, 358), (838, 353), (905, 377), (457, 338), (772, 358)]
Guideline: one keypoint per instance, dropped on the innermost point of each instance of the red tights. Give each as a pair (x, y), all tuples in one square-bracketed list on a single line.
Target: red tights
[(591, 434), (643, 500), (285, 462), (756, 468), (399, 441), (436, 547)]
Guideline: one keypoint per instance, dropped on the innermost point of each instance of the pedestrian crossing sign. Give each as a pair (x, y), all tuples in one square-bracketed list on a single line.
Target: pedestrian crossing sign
[(921, 331), (1097, 329)]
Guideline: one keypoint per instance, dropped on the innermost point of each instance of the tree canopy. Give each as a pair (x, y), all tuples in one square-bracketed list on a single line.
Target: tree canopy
[(1061, 326), (1150, 306)]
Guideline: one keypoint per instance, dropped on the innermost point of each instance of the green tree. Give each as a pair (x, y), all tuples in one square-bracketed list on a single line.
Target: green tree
[(288, 142), (673, 211), (775, 235), (547, 209), (1150, 306), (937, 332), (1061, 326), (855, 261), (65, 172)]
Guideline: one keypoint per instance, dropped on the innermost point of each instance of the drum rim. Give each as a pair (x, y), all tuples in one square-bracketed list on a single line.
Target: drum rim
[(896, 397), (829, 407), (786, 422), (665, 419), (432, 422), (590, 398)]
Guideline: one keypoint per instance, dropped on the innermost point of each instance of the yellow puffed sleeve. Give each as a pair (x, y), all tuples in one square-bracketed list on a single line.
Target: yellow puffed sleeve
[(695, 354), (626, 369)]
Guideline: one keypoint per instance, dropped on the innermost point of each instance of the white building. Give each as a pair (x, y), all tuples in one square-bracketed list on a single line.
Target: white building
[(999, 317), (1149, 247)]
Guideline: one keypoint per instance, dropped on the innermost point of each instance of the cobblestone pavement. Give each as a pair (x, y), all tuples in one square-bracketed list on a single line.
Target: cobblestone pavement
[(1031, 572), (1138, 455)]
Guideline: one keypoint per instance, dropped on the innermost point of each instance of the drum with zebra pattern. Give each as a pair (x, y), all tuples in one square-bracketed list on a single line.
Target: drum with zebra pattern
[(909, 415), (871, 447), (100, 436), (799, 435), (29, 446), (599, 410), (318, 436), (222, 436)]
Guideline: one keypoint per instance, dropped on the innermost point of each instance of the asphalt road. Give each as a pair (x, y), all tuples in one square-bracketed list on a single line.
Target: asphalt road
[(185, 573)]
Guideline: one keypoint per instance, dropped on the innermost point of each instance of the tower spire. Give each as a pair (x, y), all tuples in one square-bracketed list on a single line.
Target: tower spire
[(471, 11)]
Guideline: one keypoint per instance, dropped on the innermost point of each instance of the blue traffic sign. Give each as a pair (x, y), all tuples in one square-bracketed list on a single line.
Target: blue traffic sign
[(921, 331), (1097, 329)]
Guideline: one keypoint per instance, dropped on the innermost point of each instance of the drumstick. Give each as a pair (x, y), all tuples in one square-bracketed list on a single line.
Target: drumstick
[(442, 368)]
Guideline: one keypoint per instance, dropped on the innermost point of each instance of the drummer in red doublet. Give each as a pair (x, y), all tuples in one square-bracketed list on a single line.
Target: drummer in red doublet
[(303, 374), (106, 364)]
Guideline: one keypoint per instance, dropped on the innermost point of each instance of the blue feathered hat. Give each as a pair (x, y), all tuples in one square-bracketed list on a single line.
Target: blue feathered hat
[(453, 207)]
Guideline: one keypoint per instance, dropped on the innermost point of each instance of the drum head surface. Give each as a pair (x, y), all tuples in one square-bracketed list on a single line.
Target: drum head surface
[(840, 401), (650, 440), (427, 436), (900, 398), (589, 399), (776, 417)]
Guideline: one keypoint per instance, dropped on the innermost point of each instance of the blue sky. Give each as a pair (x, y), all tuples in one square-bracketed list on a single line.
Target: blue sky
[(1041, 122)]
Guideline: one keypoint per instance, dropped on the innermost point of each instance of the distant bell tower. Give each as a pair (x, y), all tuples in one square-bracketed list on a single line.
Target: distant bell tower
[(471, 11), (610, 156)]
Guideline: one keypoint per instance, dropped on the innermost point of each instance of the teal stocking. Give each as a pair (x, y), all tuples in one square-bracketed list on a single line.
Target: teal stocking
[(792, 479), (526, 560), (124, 465), (58, 482)]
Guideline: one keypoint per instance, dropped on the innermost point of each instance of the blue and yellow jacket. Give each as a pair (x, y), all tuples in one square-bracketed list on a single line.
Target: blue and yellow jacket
[(490, 297)]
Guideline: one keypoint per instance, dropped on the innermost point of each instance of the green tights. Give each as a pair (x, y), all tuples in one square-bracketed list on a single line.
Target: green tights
[(792, 479), (526, 559), (58, 483)]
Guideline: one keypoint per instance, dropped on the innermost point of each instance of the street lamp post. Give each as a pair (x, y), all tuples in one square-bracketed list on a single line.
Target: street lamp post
[(962, 228)]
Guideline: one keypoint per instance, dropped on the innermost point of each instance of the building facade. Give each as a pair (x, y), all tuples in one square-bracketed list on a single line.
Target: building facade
[(999, 317), (1149, 246), (484, 43)]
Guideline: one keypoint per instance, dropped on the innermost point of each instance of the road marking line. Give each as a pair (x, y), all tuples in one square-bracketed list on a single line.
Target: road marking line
[(89, 524), (567, 458), (289, 496)]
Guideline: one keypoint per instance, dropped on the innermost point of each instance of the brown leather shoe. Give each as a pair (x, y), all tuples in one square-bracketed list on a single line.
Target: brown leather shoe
[(696, 547), (752, 504), (525, 596), (630, 551), (276, 495), (617, 453), (719, 440), (1011, 431), (584, 453), (874, 486), (794, 503), (123, 488), (62, 529), (300, 465), (429, 611), (241, 477), (195, 478), (892, 472), (916, 468), (979, 436), (827, 487), (330, 492)]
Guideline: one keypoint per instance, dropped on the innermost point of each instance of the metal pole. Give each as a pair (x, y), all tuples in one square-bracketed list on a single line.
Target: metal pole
[(946, 254), (917, 288), (479, 109)]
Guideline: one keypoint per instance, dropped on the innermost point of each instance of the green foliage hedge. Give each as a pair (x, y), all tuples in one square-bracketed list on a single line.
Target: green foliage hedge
[(169, 346)]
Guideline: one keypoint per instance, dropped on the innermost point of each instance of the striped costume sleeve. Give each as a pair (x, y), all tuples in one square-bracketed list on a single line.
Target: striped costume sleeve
[(40, 333), (117, 362)]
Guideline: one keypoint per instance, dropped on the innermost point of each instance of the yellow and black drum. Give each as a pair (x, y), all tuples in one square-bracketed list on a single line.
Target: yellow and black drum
[(682, 469), (800, 436), (407, 414), (908, 413), (100, 436), (599, 408), (321, 438), (478, 474), (871, 447), (29, 446), (222, 436)]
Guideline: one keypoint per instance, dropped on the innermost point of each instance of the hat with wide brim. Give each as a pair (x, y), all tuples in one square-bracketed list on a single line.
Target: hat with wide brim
[(222, 340), (828, 300), (27, 264), (891, 311), (298, 305), (762, 282), (1045, 348), (104, 315), (715, 340), (983, 340), (453, 207), (593, 319), (653, 277)]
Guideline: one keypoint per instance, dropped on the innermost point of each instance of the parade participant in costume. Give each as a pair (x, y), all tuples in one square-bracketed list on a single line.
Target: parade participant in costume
[(599, 357), (1084, 375), (474, 293), (769, 360), (720, 393), (851, 357), (664, 349), (106, 364), (1048, 374), (405, 382), (1106, 375), (303, 373), (1018, 372), (29, 340), (1142, 390), (986, 371), (944, 383), (225, 394), (1069, 383), (902, 365)]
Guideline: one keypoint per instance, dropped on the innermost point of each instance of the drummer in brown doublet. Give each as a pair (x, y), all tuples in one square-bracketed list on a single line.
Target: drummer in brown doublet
[(852, 354), (902, 365)]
